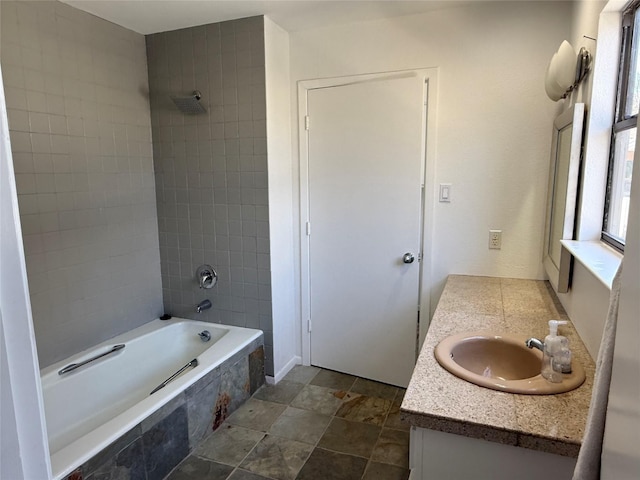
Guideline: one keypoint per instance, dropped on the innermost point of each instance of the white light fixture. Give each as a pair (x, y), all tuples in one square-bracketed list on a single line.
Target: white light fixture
[(554, 91), (565, 71)]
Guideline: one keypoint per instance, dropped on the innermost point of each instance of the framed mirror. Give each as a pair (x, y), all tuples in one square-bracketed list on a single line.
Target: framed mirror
[(566, 153)]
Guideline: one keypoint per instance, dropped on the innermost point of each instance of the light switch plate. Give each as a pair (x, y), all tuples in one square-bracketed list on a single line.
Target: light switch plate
[(445, 192)]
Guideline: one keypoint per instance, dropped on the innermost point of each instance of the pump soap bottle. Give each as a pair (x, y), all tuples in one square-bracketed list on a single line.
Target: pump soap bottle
[(553, 345)]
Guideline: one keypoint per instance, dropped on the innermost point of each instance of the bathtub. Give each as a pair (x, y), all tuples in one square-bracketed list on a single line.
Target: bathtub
[(89, 408)]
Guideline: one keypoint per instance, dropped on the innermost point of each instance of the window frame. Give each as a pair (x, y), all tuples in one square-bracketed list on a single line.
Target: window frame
[(622, 121)]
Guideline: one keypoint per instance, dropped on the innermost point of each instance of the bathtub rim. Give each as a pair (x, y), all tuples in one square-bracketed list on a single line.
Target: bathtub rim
[(67, 459)]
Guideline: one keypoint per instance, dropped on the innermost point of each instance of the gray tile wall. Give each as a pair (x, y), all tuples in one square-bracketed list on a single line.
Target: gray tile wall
[(76, 90), (211, 172)]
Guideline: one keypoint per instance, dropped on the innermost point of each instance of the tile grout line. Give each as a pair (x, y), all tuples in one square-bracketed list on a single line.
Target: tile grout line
[(287, 405), (257, 443), (348, 392), (331, 417), (248, 453), (382, 427), (386, 417)]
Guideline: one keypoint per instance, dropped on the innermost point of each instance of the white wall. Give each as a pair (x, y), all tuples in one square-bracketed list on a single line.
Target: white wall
[(600, 83), (621, 456), (24, 451), (587, 301), (493, 126), (584, 30), (285, 325), (11, 465)]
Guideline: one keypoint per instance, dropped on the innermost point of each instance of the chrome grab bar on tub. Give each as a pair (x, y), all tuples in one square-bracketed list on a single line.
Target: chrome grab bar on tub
[(73, 366), (193, 363)]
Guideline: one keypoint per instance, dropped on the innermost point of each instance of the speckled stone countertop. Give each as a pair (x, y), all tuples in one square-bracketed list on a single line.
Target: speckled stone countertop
[(438, 400)]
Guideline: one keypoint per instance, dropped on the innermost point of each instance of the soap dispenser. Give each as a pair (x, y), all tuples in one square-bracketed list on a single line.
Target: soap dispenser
[(554, 345)]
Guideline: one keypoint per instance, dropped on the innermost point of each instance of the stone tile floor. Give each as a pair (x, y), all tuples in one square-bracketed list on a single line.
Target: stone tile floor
[(314, 425)]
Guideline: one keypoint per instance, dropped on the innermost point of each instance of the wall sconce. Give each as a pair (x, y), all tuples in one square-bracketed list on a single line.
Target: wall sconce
[(565, 71)]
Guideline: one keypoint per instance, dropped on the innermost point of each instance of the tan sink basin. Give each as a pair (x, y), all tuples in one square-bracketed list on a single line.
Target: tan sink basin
[(501, 362)]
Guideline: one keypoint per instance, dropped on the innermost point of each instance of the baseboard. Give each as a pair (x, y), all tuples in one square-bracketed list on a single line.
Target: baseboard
[(280, 374)]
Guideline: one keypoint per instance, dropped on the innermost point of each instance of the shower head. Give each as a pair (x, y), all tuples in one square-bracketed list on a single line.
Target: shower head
[(190, 104)]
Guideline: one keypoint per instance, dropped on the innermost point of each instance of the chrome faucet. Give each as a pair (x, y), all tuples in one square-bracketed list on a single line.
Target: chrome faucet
[(203, 305), (535, 343)]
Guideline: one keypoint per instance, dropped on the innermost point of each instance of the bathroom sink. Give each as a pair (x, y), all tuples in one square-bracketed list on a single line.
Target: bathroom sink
[(501, 362)]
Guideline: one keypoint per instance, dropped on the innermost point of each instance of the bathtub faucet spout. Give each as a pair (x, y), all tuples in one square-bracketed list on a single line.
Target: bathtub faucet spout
[(203, 305)]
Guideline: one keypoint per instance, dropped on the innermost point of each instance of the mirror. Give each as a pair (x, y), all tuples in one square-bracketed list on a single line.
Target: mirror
[(566, 149)]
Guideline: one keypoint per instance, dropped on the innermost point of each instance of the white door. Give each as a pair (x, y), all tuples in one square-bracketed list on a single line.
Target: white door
[(365, 174)]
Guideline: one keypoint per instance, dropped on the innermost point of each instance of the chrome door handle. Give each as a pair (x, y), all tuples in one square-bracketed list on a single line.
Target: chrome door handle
[(408, 257)]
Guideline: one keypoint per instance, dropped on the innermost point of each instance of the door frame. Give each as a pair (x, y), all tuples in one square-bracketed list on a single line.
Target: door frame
[(430, 81)]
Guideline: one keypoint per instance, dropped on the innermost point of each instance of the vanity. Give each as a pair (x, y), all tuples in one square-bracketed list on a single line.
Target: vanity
[(460, 430)]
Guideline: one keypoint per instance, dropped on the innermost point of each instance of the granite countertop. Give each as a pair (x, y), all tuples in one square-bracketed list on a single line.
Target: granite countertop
[(438, 400)]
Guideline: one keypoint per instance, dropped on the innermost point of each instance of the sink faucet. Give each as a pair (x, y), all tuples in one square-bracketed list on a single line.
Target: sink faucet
[(203, 305), (535, 343)]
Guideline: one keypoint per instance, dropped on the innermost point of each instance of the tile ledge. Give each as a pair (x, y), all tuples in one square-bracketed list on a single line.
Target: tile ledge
[(599, 259)]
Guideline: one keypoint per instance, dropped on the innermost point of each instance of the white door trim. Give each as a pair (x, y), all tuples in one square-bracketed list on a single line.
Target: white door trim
[(430, 76)]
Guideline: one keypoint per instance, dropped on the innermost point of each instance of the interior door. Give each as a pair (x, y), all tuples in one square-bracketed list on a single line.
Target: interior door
[(366, 160)]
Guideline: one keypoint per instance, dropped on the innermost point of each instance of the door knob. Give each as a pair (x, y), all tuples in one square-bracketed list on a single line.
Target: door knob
[(408, 257)]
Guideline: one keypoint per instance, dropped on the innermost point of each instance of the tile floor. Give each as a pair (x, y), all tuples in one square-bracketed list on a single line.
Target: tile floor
[(314, 425)]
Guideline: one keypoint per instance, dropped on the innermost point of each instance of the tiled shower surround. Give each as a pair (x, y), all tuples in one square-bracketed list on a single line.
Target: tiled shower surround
[(211, 172), (81, 103), (78, 111), (151, 449)]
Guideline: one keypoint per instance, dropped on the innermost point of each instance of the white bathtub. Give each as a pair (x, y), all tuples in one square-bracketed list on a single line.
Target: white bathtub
[(90, 407)]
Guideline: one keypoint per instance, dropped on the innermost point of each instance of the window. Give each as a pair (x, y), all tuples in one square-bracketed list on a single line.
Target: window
[(624, 132)]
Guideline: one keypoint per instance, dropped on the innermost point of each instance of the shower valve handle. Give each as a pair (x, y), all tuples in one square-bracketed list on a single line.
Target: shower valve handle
[(206, 276)]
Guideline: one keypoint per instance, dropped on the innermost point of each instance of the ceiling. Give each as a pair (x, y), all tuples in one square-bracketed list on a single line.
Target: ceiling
[(152, 16)]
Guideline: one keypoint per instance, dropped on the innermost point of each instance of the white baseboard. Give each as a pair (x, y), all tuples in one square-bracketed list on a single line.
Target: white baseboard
[(280, 374)]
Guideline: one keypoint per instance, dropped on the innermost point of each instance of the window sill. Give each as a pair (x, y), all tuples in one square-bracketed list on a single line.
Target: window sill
[(601, 260)]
